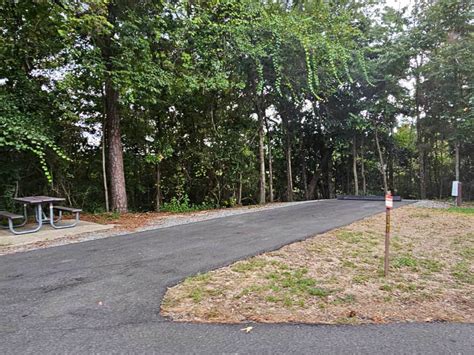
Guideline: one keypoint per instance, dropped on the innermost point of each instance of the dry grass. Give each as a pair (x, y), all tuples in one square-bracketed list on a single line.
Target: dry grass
[(337, 277)]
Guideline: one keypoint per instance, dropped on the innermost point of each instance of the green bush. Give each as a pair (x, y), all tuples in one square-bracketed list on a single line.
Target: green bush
[(183, 205)]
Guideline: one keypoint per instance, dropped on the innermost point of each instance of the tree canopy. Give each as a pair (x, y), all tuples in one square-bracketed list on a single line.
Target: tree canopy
[(145, 105)]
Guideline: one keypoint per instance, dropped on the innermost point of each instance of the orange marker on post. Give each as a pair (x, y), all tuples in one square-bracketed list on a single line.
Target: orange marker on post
[(389, 200)]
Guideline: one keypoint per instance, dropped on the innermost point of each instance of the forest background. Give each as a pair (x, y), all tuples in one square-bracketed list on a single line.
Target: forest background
[(187, 104)]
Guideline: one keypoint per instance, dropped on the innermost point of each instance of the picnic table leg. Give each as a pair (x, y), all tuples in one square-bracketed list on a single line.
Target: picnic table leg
[(25, 215), (25, 219), (52, 221), (38, 212), (40, 215)]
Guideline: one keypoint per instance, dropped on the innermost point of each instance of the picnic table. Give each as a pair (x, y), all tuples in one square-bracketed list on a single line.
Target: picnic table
[(41, 217)]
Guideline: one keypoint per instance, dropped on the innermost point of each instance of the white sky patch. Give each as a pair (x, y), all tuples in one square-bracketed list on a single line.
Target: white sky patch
[(399, 4), (93, 133), (307, 106), (391, 99)]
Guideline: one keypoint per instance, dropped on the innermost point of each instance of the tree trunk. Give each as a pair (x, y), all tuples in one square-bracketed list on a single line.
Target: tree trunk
[(261, 155), (331, 184), (104, 173), (270, 162), (422, 172), (419, 137), (382, 163), (362, 168), (158, 188), (390, 178), (457, 160), (325, 166), (312, 185), (115, 167), (104, 163), (354, 166), (304, 176), (114, 150), (289, 174), (239, 195)]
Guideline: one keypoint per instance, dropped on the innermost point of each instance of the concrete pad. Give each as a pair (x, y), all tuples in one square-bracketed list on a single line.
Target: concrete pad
[(48, 233)]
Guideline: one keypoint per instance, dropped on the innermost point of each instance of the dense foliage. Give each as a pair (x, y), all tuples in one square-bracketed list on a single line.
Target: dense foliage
[(191, 104)]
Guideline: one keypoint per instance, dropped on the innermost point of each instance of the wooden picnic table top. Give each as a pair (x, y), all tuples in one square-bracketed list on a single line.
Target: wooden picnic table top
[(34, 200)]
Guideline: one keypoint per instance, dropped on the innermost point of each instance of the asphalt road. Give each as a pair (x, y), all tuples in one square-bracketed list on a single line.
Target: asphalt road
[(104, 295)]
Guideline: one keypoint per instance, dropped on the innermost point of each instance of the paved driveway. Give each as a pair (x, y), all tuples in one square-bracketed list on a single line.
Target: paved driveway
[(104, 295)]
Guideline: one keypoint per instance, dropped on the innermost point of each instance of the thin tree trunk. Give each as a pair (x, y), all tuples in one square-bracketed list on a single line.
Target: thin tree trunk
[(304, 177), (325, 175), (104, 174), (261, 155), (270, 175), (457, 160), (422, 172), (391, 179), (289, 174), (362, 168), (354, 166), (419, 137), (331, 184), (158, 188), (239, 196), (382, 163), (270, 162)]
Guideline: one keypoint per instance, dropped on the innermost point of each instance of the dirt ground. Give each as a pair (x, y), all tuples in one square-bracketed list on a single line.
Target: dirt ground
[(337, 277), (126, 221)]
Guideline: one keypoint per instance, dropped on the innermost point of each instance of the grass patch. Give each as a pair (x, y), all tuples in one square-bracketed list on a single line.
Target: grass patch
[(462, 273), (467, 253), (405, 261), (251, 265), (432, 265), (345, 299), (197, 294), (198, 278), (386, 287), (349, 236), (360, 279), (250, 290), (462, 210), (272, 298)]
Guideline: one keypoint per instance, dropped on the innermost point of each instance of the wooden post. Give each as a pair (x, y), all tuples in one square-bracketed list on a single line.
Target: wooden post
[(388, 207), (387, 242)]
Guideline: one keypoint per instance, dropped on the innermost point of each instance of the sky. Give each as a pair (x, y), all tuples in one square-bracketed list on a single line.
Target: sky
[(398, 4)]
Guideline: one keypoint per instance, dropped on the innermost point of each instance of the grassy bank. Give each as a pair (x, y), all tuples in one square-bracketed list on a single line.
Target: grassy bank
[(337, 277)]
